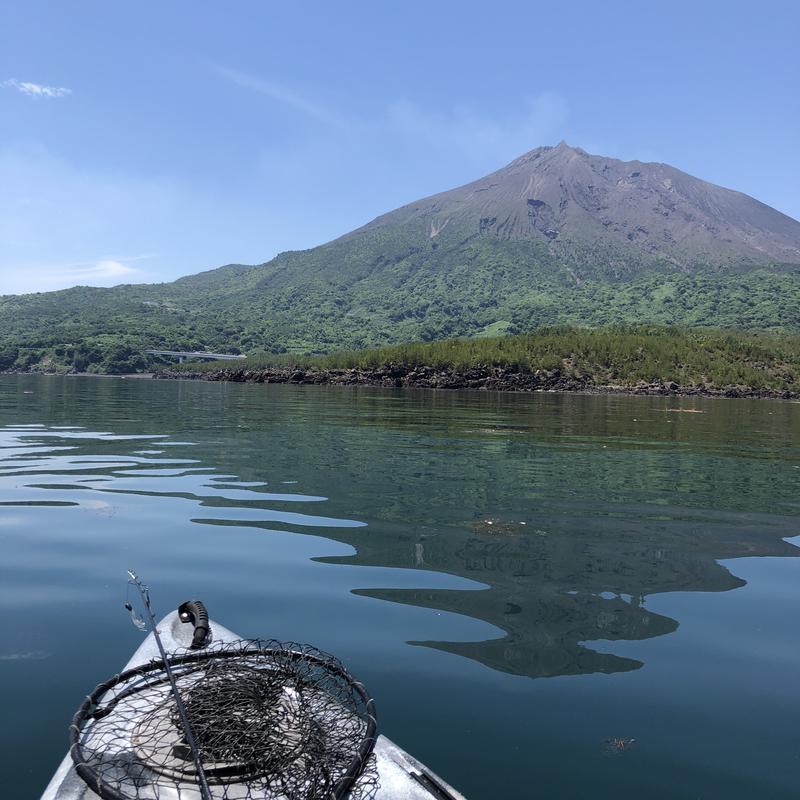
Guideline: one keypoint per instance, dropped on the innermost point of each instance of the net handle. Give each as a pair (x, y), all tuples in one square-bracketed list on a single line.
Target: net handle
[(108, 792)]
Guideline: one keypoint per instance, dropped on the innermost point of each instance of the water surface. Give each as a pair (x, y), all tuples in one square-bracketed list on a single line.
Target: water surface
[(519, 580)]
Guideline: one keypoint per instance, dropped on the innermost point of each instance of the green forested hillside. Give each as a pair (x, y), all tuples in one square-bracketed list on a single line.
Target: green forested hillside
[(557, 237), (485, 288)]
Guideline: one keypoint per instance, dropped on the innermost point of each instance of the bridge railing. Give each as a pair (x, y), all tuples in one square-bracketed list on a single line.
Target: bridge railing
[(184, 354)]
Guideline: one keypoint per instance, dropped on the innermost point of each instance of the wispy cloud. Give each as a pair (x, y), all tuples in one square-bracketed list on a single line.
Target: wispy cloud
[(36, 89), (461, 131), (375, 160), (470, 133), (406, 151), (106, 269), (285, 95), (62, 223), (46, 277)]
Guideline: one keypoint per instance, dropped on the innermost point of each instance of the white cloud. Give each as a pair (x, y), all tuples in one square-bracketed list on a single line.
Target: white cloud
[(47, 277), (284, 95), (99, 273), (64, 223), (463, 130), (61, 224), (405, 152), (470, 132), (462, 133), (110, 268), (36, 89)]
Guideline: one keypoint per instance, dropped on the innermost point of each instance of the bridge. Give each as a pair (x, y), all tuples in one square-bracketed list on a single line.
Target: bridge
[(183, 354)]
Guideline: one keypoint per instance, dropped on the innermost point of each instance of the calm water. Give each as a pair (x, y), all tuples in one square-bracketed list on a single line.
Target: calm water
[(652, 592)]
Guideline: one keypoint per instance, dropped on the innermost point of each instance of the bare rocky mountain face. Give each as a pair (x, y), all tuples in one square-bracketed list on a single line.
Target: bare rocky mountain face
[(598, 212)]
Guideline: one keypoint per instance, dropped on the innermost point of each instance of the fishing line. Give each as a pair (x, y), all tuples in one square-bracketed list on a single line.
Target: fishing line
[(144, 593)]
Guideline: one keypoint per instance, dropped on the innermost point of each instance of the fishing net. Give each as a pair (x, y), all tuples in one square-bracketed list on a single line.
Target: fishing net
[(268, 720)]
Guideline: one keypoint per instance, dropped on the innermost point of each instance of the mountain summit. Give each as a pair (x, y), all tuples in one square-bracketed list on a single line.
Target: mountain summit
[(557, 236), (649, 213)]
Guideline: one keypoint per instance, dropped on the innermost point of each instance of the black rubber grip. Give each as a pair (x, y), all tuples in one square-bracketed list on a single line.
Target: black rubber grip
[(195, 612)]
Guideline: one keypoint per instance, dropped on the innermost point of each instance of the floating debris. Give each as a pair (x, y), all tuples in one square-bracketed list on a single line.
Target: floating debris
[(25, 655), (617, 746), (497, 527)]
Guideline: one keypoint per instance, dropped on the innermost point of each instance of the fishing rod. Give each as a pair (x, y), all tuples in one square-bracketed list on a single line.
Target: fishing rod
[(144, 592)]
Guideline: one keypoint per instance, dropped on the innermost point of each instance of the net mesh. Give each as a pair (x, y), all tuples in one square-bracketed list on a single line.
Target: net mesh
[(269, 719)]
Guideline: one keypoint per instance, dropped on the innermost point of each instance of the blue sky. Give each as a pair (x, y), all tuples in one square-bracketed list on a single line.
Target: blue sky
[(144, 141)]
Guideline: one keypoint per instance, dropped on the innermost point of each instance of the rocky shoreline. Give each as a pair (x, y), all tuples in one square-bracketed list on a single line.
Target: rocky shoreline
[(496, 379)]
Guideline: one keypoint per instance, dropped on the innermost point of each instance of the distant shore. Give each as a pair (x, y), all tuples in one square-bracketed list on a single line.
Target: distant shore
[(124, 375), (496, 379), (642, 360)]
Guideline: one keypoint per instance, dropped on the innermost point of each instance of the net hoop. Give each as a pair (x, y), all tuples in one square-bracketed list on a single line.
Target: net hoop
[(87, 712)]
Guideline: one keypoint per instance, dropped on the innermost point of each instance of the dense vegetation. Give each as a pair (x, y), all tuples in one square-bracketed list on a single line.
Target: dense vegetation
[(620, 356), (374, 292)]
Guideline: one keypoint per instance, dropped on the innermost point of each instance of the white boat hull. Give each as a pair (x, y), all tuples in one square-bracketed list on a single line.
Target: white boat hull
[(401, 777)]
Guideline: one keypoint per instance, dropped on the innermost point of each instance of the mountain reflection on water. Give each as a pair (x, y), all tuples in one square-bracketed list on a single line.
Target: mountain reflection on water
[(535, 532), (557, 515), (557, 586)]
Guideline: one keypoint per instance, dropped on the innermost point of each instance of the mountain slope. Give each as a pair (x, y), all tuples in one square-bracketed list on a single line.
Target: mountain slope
[(566, 198), (557, 236)]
